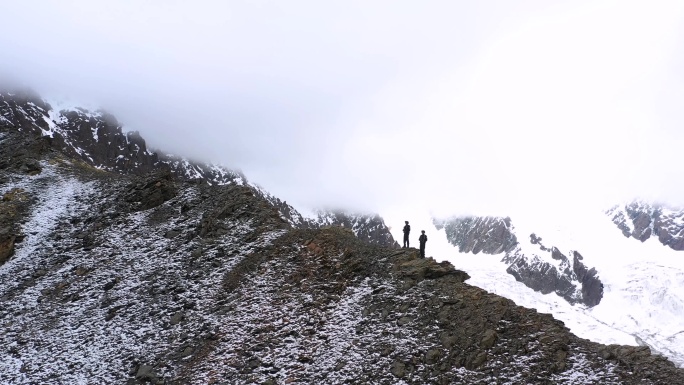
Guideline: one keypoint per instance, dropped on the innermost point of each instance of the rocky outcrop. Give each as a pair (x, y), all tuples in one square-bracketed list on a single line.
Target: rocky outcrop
[(199, 171), (541, 268), (641, 221), (569, 279), (151, 191), (368, 227), (490, 235), (97, 137), (6, 244), (592, 287), (13, 207)]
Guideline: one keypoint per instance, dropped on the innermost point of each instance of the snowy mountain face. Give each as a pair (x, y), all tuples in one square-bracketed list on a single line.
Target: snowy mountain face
[(541, 268), (633, 293), (642, 221), (95, 137), (110, 276)]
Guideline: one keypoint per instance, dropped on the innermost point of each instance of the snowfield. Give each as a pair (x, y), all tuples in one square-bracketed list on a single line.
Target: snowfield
[(643, 301)]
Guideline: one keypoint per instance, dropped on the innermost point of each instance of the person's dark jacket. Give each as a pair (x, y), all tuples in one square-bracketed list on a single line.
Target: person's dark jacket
[(422, 239)]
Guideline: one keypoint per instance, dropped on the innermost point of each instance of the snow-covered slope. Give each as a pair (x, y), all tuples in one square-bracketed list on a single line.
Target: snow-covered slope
[(542, 266), (642, 282)]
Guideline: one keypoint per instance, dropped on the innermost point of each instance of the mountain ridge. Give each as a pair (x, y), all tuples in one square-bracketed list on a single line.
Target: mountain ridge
[(98, 139), (154, 278)]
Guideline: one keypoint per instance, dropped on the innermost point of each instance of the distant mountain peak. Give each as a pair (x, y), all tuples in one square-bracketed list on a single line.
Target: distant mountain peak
[(641, 220), (541, 268)]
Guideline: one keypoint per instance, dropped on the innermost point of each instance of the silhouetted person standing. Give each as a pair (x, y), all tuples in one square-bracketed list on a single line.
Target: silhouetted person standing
[(407, 230), (422, 239)]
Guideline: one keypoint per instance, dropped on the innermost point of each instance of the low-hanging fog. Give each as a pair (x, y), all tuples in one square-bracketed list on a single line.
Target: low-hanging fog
[(446, 107)]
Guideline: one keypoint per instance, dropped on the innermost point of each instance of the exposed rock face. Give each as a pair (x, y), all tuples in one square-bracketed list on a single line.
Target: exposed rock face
[(370, 228), (592, 287), (642, 221), (150, 192), (198, 171), (95, 137), (6, 245), (571, 280), (13, 207), (541, 268), (172, 281), (490, 235)]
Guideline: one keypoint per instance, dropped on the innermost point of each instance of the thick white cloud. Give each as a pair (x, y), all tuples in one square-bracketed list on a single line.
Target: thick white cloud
[(496, 107)]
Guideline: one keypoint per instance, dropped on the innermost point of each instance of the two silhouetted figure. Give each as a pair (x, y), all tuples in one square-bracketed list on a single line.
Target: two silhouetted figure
[(422, 239)]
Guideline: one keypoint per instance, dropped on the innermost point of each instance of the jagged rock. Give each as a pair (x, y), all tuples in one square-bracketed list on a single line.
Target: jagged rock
[(146, 373), (370, 228), (493, 235), (151, 191), (419, 269), (176, 318), (6, 246), (31, 167), (592, 287), (642, 221), (12, 205), (488, 339), (490, 235), (398, 369)]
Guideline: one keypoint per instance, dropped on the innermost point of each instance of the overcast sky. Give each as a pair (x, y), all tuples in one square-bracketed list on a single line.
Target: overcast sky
[(484, 107)]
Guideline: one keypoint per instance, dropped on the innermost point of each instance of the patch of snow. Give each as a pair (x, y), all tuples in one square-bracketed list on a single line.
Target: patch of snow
[(5, 120), (584, 372)]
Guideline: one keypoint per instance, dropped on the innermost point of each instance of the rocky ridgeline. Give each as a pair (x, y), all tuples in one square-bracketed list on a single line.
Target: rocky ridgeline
[(157, 280), (642, 221), (541, 268), (97, 138), (370, 228), (93, 136)]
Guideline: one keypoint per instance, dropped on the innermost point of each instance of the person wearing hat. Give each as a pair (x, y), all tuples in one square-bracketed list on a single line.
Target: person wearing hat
[(407, 230)]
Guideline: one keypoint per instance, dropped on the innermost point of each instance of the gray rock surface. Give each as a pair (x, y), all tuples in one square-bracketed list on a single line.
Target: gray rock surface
[(641, 221), (526, 258)]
